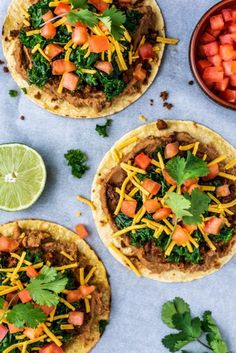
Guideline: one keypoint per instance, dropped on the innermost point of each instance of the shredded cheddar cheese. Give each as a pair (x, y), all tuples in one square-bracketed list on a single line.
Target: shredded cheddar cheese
[(195, 148), (126, 197), (87, 202), (90, 274), (128, 229), (206, 238), (81, 276), (51, 335), (231, 164), (32, 33), (125, 182), (125, 259), (66, 267), (67, 327), (87, 305), (186, 147), (67, 304), (227, 176), (43, 54), (59, 317), (128, 167), (170, 248), (68, 45), (127, 143), (69, 257), (167, 40), (217, 160), (162, 165), (67, 56)]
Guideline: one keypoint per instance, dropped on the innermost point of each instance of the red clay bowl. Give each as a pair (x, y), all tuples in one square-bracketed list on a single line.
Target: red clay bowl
[(199, 29)]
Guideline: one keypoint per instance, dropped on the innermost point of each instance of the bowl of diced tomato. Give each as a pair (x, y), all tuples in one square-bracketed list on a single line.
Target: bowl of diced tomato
[(213, 53)]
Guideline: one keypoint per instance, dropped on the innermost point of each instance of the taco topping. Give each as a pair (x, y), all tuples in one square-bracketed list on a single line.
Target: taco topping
[(171, 202), (47, 293)]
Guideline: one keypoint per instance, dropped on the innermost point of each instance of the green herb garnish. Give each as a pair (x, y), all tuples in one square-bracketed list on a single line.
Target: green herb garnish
[(102, 129), (13, 93), (113, 20), (102, 326), (77, 159), (79, 4), (26, 315)]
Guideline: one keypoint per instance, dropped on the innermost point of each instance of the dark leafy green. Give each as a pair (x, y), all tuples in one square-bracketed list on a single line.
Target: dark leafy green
[(40, 72), (77, 159), (102, 129), (123, 221), (132, 20), (102, 326), (31, 41), (36, 12), (13, 93), (225, 235)]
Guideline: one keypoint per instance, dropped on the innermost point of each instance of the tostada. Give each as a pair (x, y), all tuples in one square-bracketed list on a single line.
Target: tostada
[(54, 292), (82, 58), (165, 198)]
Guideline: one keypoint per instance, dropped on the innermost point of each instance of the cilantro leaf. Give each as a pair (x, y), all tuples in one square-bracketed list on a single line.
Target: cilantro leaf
[(102, 129), (199, 205), (117, 18), (44, 289), (82, 4), (181, 169), (77, 159), (107, 22), (179, 204), (2, 303), (170, 308), (26, 315), (84, 16), (214, 337), (175, 342)]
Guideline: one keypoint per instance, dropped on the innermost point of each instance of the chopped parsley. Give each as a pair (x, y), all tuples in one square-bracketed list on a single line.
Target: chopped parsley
[(102, 129), (40, 72), (77, 159), (13, 93)]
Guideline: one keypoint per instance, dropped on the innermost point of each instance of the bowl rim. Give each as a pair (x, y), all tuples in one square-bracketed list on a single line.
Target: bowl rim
[(192, 53)]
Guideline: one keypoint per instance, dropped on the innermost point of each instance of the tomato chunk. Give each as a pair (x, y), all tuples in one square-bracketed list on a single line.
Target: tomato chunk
[(162, 213), (3, 332), (227, 65), (226, 39), (213, 172), (213, 74), (79, 35), (129, 208), (142, 161), (51, 348), (211, 48), (80, 293), (233, 80), (213, 225), (146, 51), (61, 66), (171, 150), (151, 186), (82, 231), (221, 86), (98, 44), (217, 22), (222, 191), (99, 4), (227, 14), (31, 272), (8, 244), (62, 8), (25, 296), (215, 60), (233, 67), (32, 333), (168, 178), (190, 228), (76, 318), (180, 235), (229, 95), (190, 182), (52, 50), (46, 309), (139, 73), (14, 329), (203, 64), (48, 31), (70, 81), (47, 16), (227, 52), (151, 206), (207, 38), (104, 66)]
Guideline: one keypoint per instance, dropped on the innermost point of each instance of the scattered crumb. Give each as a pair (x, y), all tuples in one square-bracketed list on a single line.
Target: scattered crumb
[(142, 118), (5, 69), (164, 95), (78, 214), (161, 124), (22, 117), (191, 82), (37, 95), (168, 105), (1, 62), (151, 102)]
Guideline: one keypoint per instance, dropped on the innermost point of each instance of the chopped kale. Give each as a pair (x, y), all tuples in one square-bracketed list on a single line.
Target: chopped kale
[(123, 221), (31, 41), (112, 86), (36, 12), (102, 129), (132, 20), (77, 159), (8, 341), (62, 37), (13, 93), (102, 326), (141, 237), (181, 253), (40, 72), (225, 235)]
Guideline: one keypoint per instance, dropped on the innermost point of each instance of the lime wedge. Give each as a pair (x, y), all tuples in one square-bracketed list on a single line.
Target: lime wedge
[(22, 176)]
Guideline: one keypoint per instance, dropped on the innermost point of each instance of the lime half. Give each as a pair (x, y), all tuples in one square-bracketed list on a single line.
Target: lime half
[(22, 176)]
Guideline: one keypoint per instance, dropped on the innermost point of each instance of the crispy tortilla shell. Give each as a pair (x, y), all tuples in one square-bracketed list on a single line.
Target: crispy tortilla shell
[(14, 21), (105, 230), (84, 342)]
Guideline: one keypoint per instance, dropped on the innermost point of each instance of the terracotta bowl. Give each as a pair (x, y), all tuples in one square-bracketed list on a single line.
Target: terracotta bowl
[(199, 29)]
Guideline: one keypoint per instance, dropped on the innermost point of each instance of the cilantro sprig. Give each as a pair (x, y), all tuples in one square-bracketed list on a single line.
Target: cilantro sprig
[(181, 169), (189, 208), (176, 314), (26, 315)]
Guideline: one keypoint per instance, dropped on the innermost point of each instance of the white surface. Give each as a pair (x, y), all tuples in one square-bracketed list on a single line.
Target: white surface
[(135, 325)]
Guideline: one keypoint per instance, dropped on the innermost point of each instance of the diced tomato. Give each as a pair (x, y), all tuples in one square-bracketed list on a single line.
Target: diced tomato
[(233, 67), (98, 44), (82, 231), (152, 205), (32, 333), (104, 66), (76, 318), (233, 80), (48, 31), (47, 16), (213, 172), (209, 84), (31, 272), (171, 150), (99, 4), (221, 86), (168, 178), (203, 64), (233, 36), (146, 51), (227, 65), (211, 49), (12, 298), (51, 348), (234, 14), (3, 332), (46, 309), (227, 15), (232, 28), (61, 66), (214, 33), (226, 52), (213, 225), (223, 190), (190, 182), (25, 296), (70, 81), (7, 244), (142, 161), (79, 35), (129, 208), (162, 213), (52, 50), (14, 329), (226, 39), (229, 95), (151, 186), (190, 227), (207, 38), (213, 74), (139, 73), (217, 22), (180, 235), (80, 293), (62, 8), (215, 60), (192, 187)]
